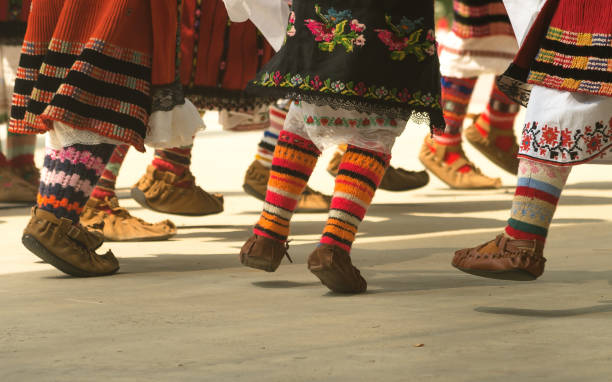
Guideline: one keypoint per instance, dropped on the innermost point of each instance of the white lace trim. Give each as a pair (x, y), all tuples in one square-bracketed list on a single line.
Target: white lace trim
[(377, 138), (62, 135), (174, 128)]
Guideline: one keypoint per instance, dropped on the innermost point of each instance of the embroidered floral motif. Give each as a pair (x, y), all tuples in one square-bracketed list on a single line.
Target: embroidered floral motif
[(336, 28), (360, 89), (562, 145), (291, 25), (406, 38), (367, 122)]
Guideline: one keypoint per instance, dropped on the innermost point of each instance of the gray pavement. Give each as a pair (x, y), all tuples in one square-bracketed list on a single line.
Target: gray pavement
[(185, 310)]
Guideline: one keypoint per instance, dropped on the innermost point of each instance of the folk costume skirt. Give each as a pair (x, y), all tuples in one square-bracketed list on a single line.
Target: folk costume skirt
[(365, 57)]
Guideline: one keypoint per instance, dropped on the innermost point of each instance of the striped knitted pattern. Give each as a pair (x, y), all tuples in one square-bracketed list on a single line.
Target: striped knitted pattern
[(176, 160), (20, 148), (68, 177), (105, 188), (535, 200), (95, 86), (499, 114), (456, 95), (265, 149), (480, 18), (359, 175), (294, 159)]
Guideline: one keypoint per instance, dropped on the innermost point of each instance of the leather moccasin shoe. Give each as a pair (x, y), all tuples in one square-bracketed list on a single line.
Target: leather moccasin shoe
[(503, 258), (68, 247), (333, 266), (450, 173), (117, 224), (164, 191), (507, 160), (13, 189), (260, 252)]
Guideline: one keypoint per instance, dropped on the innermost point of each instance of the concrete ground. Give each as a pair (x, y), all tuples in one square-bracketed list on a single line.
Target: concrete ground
[(186, 310)]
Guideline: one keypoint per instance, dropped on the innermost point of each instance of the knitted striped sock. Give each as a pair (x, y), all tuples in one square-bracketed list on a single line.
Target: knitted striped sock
[(500, 114), (265, 150), (176, 160), (20, 153), (294, 159), (358, 178), (68, 177), (105, 188), (456, 95), (537, 193)]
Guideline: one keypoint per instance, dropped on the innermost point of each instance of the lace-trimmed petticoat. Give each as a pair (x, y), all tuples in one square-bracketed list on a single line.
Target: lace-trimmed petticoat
[(374, 57)]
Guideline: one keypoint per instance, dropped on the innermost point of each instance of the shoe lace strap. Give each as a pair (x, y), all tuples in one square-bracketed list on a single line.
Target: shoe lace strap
[(287, 251)]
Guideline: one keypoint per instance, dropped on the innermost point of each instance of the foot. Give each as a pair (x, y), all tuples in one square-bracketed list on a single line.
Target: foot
[(116, 224), (461, 173), (256, 184), (486, 140), (13, 189), (164, 191), (332, 265), (68, 247), (256, 119), (395, 178), (503, 258), (260, 252)]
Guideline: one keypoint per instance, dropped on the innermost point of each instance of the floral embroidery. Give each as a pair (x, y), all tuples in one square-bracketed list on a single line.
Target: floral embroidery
[(366, 122), (406, 38), (359, 89), (291, 25), (336, 28), (562, 145)]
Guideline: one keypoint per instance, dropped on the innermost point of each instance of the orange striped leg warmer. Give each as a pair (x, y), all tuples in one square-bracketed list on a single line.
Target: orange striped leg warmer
[(294, 159), (359, 175), (105, 188), (68, 176), (500, 114)]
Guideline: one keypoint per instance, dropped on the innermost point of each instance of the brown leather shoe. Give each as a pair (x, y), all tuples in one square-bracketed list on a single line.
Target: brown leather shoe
[(68, 247), (13, 189), (158, 191), (395, 178), (507, 160), (116, 224), (449, 174), (260, 252), (256, 184), (333, 266), (503, 258), (29, 173)]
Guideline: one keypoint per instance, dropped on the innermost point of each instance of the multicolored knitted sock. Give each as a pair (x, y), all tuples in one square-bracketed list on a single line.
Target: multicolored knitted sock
[(68, 176), (20, 154), (456, 95), (265, 150), (294, 159), (105, 188), (499, 115), (535, 200), (359, 175), (176, 160)]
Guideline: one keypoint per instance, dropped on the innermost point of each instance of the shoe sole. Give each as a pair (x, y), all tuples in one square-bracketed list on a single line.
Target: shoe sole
[(256, 263), (141, 199), (484, 150), (138, 239), (47, 256), (334, 282), (251, 191), (511, 275)]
